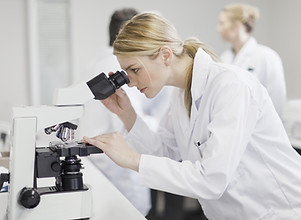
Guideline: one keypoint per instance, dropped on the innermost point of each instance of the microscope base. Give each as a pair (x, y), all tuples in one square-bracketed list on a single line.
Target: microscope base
[(3, 202), (59, 206)]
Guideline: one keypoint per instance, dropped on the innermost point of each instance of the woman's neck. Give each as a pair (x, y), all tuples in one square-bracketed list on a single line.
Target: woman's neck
[(240, 41), (179, 70)]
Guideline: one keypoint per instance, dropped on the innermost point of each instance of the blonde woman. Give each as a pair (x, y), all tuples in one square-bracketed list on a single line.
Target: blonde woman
[(221, 141), (236, 24)]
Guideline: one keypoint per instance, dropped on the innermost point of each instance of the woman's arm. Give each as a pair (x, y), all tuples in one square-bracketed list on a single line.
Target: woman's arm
[(233, 118), (124, 151)]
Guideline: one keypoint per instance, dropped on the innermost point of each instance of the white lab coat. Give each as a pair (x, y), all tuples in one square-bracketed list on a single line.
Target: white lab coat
[(236, 157), (265, 64)]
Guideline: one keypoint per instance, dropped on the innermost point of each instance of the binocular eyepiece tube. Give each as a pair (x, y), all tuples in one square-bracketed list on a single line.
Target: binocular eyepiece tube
[(103, 86)]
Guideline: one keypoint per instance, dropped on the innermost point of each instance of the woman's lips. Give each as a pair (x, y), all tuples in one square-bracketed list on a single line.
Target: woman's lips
[(143, 90)]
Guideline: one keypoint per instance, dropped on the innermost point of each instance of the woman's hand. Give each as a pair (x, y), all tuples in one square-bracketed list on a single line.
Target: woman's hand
[(120, 104), (115, 147)]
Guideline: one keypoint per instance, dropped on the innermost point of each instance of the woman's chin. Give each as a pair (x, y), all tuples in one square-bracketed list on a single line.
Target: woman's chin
[(149, 95)]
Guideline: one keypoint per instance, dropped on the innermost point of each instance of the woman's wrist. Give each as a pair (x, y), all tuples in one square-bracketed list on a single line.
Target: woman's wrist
[(135, 162), (128, 118)]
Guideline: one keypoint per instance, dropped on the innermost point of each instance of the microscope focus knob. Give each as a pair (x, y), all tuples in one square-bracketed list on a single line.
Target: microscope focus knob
[(56, 167), (29, 198)]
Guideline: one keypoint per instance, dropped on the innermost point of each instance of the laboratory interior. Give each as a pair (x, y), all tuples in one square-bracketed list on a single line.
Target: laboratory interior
[(55, 59)]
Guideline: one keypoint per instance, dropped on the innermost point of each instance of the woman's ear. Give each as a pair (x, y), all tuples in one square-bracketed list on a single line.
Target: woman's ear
[(166, 54)]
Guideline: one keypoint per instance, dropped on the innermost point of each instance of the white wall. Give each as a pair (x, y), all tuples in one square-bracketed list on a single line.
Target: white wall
[(285, 38), (278, 28), (13, 56)]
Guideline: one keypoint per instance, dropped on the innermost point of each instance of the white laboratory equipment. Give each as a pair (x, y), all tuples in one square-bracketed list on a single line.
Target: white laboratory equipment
[(46, 181)]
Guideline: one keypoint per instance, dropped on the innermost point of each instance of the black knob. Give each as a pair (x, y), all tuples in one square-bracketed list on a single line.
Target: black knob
[(56, 167), (29, 198)]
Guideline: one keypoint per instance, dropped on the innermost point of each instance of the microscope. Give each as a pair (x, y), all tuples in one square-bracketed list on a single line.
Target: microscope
[(69, 197)]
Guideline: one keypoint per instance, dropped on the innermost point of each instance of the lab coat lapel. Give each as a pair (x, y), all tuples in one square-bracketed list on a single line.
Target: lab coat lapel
[(200, 73), (180, 113)]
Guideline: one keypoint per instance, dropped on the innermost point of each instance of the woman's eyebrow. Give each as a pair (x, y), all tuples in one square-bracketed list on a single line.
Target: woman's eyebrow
[(126, 69)]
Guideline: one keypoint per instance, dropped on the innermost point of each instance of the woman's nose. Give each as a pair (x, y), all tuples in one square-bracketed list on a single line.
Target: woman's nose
[(131, 84)]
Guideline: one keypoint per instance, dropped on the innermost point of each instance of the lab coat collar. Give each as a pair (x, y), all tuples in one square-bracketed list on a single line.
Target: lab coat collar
[(247, 48), (201, 68), (200, 73)]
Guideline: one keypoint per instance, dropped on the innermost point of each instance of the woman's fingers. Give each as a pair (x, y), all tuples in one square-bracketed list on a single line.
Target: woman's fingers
[(116, 147), (94, 141), (120, 91)]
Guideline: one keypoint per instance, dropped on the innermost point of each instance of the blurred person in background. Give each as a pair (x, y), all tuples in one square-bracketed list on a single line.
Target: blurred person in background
[(236, 23)]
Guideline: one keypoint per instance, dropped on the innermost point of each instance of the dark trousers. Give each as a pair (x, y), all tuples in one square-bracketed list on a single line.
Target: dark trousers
[(173, 208)]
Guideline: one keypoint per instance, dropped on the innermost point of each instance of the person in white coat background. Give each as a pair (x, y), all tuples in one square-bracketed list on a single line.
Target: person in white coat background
[(221, 142), (236, 23)]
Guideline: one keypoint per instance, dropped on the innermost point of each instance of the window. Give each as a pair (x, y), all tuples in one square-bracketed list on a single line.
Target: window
[(50, 46)]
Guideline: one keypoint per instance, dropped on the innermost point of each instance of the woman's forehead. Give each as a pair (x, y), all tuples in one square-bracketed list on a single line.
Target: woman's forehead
[(131, 59), (126, 62)]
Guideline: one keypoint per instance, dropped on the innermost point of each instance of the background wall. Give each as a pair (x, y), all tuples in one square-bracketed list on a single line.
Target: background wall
[(14, 75), (285, 37), (277, 28)]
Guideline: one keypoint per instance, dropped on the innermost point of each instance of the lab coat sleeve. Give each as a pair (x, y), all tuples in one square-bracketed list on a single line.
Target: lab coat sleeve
[(233, 117), (161, 143)]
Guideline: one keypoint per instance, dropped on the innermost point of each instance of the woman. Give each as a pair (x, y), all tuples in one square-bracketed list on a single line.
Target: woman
[(236, 23), (221, 141)]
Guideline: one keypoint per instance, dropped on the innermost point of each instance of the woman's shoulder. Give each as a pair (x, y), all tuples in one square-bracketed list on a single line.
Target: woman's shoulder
[(266, 51), (232, 78), (231, 75), (223, 74)]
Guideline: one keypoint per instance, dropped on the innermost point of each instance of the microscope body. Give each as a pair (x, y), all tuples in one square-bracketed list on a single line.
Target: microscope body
[(52, 205), (69, 198)]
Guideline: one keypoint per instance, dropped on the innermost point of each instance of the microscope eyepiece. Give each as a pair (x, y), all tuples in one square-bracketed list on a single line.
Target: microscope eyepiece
[(119, 79), (102, 86)]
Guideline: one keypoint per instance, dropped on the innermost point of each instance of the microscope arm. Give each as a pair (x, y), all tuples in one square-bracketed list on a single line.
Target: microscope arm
[(47, 116)]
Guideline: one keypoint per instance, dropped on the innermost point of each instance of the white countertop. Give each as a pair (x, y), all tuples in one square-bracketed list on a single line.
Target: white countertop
[(108, 202)]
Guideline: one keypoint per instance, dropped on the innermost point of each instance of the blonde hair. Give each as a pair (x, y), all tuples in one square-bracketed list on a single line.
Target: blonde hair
[(146, 33), (244, 13)]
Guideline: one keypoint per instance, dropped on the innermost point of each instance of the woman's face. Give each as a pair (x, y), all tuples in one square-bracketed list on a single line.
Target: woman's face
[(226, 28), (146, 74)]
